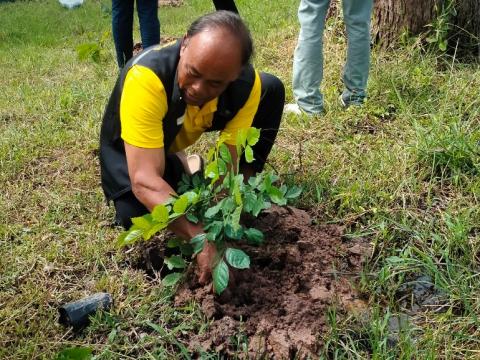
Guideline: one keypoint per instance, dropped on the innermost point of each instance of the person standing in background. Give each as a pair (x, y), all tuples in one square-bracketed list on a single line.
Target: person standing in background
[(122, 26), (308, 57)]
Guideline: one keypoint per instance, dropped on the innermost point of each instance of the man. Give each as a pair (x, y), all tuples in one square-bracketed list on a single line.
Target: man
[(165, 98), (308, 57)]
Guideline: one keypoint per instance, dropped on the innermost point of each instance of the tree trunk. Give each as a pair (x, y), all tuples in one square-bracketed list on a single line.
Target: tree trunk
[(392, 18), (465, 31)]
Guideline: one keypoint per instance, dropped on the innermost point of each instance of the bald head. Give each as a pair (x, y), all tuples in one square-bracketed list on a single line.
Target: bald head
[(231, 24), (212, 56)]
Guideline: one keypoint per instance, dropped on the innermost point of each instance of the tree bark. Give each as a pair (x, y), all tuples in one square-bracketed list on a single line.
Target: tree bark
[(394, 17)]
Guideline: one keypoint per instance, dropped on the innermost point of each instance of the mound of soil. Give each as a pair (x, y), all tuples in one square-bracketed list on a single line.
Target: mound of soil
[(280, 303)]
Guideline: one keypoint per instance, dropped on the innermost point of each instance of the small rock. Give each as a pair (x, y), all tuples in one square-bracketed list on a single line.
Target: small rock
[(320, 293), (356, 249)]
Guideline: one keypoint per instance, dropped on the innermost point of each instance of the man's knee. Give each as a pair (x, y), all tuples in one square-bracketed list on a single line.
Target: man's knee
[(272, 88), (127, 207)]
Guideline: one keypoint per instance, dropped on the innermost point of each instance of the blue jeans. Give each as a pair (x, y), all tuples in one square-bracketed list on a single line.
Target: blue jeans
[(122, 26), (308, 58)]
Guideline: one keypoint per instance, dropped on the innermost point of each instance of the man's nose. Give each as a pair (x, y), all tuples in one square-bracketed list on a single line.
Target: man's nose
[(198, 87)]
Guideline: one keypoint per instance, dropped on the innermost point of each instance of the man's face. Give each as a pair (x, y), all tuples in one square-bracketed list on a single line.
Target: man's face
[(209, 61)]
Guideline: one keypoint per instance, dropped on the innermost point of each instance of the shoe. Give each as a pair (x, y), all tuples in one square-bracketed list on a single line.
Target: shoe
[(292, 109), (350, 100), (194, 164), (295, 109)]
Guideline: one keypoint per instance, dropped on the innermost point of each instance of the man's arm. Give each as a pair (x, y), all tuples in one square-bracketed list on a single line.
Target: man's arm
[(146, 168)]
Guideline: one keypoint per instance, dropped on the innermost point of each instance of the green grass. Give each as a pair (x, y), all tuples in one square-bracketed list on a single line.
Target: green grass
[(401, 172)]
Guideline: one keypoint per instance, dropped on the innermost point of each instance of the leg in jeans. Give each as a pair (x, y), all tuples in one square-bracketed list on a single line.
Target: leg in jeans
[(122, 23), (128, 206), (308, 58), (149, 24), (357, 16), (267, 119), (225, 5)]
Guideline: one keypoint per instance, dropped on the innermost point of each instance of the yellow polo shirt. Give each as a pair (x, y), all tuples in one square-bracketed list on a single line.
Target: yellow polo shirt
[(143, 107)]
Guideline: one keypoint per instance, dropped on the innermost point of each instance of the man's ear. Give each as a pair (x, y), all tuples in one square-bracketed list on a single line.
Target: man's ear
[(184, 43)]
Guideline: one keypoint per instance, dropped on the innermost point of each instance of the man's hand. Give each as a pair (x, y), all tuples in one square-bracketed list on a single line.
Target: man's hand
[(205, 260)]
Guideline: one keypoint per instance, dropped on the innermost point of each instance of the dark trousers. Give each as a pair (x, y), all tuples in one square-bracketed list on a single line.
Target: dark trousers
[(122, 26), (225, 5), (267, 119)]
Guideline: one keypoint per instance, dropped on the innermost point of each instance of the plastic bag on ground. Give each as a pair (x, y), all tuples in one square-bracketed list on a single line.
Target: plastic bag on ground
[(70, 4)]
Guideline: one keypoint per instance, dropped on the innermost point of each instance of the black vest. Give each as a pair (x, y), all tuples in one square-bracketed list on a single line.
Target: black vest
[(163, 62)]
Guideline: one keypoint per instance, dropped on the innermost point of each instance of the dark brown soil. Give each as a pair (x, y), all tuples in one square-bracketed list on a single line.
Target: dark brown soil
[(280, 303)]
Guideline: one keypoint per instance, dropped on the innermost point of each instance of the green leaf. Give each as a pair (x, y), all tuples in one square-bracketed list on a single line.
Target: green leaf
[(276, 196), (192, 218), (236, 193), (192, 196), (141, 222), (196, 180), (210, 154), (222, 167), (233, 233), (237, 258), (235, 218), (260, 204), (153, 230), (253, 135), (249, 154), (442, 45), (228, 205), (211, 212), (171, 279), (249, 200), (186, 249), (129, 237), (241, 139), (214, 229), (211, 171), (198, 242), (173, 243), (220, 277), (293, 192), (254, 181), (225, 154), (254, 236), (175, 262), (75, 353), (180, 205), (160, 213)]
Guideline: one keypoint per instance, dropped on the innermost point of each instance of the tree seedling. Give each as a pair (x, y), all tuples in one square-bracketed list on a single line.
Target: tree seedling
[(216, 199)]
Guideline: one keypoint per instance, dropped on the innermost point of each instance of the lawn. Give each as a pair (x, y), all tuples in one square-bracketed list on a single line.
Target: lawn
[(401, 173)]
